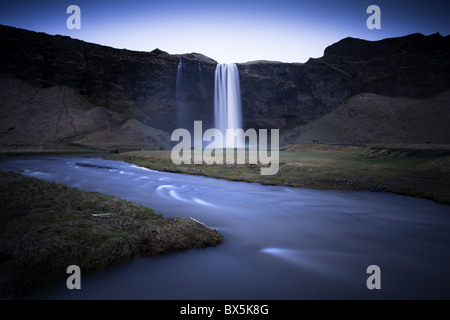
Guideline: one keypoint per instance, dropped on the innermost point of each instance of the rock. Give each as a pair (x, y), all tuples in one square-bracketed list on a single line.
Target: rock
[(372, 118), (59, 118), (8, 289), (281, 95), (129, 135), (123, 84), (139, 85)]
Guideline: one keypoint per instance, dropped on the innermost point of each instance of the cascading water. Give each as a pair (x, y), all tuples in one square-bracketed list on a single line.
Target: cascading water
[(181, 112), (227, 103)]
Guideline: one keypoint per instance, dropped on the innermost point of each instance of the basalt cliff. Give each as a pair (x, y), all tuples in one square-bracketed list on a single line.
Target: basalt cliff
[(59, 93)]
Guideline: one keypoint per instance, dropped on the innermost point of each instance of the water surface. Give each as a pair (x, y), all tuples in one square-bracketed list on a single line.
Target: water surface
[(279, 242)]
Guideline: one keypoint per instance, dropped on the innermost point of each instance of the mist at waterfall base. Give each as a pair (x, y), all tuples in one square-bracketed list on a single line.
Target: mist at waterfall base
[(279, 242)]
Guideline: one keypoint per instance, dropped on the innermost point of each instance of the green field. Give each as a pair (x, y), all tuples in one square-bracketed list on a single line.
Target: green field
[(415, 170), (45, 227)]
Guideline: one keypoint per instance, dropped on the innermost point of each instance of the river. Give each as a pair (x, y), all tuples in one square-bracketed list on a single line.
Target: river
[(279, 242)]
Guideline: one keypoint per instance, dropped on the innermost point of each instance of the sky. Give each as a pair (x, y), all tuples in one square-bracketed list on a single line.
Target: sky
[(229, 31)]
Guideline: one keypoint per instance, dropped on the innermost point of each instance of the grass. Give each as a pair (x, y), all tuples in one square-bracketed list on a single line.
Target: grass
[(45, 227), (419, 171)]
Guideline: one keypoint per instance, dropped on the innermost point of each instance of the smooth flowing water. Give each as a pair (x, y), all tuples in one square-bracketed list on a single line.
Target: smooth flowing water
[(279, 242), (227, 103), (181, 95)]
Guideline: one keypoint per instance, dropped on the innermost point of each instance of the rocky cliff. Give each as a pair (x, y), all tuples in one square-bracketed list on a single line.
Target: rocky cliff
[(155, 92), (287, 95), (373, 118), (131, 85), (59, 118)]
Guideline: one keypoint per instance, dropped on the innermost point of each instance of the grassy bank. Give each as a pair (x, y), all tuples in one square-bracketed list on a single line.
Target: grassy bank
[(415, 170), (45, 227)]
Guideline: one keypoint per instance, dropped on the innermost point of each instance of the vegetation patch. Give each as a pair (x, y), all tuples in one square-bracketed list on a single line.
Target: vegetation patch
[(414, 170), (45, 227)]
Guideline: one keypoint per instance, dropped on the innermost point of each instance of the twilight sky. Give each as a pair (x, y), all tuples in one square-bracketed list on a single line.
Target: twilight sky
[(232, 30)]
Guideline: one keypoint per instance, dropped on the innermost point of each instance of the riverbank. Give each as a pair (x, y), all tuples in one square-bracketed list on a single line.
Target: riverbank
[(279, 242), (45, 227), (414, 170)]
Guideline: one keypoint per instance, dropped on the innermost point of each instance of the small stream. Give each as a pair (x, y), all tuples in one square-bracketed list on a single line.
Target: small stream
[(279, 242)]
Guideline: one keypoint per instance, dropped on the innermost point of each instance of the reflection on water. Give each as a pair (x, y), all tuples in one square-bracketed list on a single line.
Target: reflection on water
[(279, 242)]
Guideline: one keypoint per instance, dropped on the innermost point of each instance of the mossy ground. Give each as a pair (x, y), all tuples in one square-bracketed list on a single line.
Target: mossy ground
[(419, 170), (45, 227)]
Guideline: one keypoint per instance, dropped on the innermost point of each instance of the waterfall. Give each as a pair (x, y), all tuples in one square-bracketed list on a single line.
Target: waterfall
[(227, 103), (180, 92)]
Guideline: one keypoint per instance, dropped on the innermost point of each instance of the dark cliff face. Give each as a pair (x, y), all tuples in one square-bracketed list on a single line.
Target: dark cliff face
[(276, 95), (145, 86), (414, 66), (140, 85), (194, 91)]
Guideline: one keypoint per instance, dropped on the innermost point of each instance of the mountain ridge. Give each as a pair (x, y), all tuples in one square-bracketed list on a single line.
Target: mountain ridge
[(144, 86)]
